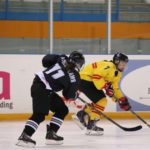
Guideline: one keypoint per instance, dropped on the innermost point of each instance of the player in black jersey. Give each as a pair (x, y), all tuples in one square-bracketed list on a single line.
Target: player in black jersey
[(63, 76)]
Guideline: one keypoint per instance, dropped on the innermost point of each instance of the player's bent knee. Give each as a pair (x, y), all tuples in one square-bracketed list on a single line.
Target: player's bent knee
[(63, 111), (66, 110), (38, 117)]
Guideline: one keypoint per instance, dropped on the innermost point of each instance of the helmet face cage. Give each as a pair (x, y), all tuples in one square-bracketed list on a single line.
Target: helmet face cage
[(120, 57), (77, 59)]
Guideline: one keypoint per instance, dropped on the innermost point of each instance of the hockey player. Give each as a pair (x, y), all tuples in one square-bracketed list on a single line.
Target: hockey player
[(61, 75), (98, 80)]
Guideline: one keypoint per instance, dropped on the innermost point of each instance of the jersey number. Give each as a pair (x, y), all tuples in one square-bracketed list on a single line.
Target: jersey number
[(58, 72)]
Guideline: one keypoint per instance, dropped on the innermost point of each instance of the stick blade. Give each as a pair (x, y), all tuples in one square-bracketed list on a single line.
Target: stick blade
[(132, 129)]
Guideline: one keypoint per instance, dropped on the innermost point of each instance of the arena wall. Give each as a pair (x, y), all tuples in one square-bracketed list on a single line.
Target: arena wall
[(39, 29), (17, 73)]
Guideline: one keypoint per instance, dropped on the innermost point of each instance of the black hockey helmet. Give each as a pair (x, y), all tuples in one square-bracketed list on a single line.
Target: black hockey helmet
[(77, 59), (120, 57)]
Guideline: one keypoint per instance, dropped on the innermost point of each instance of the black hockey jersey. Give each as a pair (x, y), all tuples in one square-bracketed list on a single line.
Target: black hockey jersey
[(57, 78)]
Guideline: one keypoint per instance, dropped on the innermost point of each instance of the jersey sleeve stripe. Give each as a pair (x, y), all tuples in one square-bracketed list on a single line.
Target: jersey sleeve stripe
[(94, 65), (96, 76)]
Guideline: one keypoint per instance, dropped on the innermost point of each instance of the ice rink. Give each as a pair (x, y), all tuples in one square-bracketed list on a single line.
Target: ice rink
[(75, 139)]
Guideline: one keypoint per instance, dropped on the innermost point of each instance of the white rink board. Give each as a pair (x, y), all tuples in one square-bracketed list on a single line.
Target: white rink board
[(22, 68)]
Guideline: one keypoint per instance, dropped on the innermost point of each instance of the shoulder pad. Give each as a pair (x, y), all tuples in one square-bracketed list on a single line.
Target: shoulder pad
[(49, 60)]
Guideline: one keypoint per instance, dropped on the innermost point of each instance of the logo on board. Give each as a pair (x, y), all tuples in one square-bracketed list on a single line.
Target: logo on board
[(5, 95)]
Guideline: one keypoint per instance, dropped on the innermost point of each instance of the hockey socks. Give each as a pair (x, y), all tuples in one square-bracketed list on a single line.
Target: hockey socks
[(25, 138), (55, 123), (51, 136)]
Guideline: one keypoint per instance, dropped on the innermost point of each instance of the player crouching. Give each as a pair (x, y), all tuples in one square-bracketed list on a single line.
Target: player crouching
[(98, 80), (61, 76)]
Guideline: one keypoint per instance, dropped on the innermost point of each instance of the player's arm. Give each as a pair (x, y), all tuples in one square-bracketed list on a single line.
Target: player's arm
[(70, 91), (99, 80), (117, 91), (122, 100), (99, 75)]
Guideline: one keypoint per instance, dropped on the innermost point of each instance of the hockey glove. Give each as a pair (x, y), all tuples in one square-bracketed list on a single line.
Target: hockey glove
[(109, 89), (124, 104)]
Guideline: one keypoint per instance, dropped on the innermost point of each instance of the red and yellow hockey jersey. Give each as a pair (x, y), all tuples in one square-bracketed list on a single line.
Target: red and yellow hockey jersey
[(102, 72)]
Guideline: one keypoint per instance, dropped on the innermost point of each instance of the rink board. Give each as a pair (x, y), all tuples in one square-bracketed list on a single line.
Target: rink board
[(17, 73), (113, 115)]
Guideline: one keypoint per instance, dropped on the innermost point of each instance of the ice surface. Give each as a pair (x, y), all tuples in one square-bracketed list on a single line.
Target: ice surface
[(75, 139)]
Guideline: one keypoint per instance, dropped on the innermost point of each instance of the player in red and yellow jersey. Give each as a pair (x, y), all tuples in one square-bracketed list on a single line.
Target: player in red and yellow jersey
[(98, 80)]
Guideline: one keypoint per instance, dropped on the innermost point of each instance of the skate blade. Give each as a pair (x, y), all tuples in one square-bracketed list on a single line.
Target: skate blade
[(77, 122), (25, 144), (94, 133), (53, 142)]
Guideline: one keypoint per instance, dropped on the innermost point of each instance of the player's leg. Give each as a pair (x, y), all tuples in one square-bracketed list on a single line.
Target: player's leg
[(92, 129), (99, 100), (41, 100), (60, 110), (29, 129)]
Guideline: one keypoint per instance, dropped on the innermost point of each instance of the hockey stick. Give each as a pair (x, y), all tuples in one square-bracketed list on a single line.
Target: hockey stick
[(134, 113), (118, 125), (140, 118)]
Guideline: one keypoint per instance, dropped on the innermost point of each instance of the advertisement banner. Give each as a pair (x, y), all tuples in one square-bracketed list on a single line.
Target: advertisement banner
[(135, 84)]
